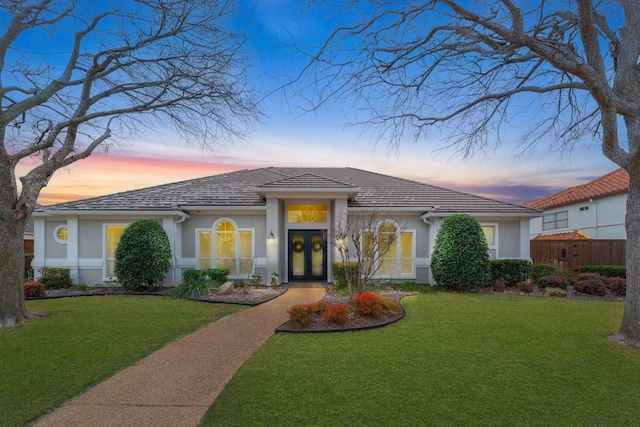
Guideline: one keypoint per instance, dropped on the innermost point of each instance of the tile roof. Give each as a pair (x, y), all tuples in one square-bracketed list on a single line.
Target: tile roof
[(615, 182), (569, 235), (241, 189), (307, 180)]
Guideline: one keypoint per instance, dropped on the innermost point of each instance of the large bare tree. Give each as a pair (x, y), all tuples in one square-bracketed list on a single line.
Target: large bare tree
[(76, 75), (563, 71)]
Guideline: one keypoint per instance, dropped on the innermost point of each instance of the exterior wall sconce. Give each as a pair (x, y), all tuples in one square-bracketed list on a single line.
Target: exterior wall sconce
[(271, 237)]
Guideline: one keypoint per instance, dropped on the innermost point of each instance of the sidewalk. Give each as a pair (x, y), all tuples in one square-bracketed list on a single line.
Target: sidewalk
[(176, 385)]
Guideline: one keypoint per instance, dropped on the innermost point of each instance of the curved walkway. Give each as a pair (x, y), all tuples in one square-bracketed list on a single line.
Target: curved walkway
[(176, 385)]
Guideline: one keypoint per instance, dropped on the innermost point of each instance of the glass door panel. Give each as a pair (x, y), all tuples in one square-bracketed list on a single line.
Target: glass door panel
[(297, 255), (307, 255)]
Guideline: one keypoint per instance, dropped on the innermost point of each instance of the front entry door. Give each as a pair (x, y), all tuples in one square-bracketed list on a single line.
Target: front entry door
[(307, 256)]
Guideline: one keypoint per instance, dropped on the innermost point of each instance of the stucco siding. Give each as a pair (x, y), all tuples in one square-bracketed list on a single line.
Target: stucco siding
[(509, 239), (53, 249)]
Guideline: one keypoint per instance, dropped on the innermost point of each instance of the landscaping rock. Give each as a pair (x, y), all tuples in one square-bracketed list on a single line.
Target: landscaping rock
[(226, 288), (555, 292)]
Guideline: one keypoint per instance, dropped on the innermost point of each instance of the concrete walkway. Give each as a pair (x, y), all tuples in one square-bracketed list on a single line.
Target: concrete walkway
[(176, 385)]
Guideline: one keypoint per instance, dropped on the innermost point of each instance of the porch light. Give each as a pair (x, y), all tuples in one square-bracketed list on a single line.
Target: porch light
[(271, 237)]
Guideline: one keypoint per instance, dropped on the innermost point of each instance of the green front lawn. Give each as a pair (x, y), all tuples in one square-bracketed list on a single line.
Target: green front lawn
[(456, 359), (82, 341)]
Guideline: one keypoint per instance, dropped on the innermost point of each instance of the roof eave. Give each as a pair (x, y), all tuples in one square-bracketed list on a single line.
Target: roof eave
[(102, 212)]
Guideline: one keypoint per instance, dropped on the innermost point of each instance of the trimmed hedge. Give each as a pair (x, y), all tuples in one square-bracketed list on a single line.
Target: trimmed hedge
[(606, 270), (218, 274), (143, 255), (513, 271), (55, 278), (460, 259)]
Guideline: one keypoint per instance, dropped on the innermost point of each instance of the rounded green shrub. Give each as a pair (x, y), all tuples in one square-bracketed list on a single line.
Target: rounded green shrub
[(460, 259), (143, 256)]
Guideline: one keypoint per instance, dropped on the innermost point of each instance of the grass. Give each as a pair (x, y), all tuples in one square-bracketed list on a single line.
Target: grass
[(46, 361), (456, 359)]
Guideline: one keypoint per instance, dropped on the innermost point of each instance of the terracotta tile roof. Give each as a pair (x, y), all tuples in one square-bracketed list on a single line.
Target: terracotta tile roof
[(569, 235), (615, 182), (241, 189)]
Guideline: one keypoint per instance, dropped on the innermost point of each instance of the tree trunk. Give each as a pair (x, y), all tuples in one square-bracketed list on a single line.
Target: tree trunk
[(12, 307), (630, 328)]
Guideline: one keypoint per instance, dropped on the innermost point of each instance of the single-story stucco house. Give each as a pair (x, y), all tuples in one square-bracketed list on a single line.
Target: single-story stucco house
[(271, 220)]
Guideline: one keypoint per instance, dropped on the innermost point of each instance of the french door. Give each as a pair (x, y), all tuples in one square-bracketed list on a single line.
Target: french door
[(307, 256)]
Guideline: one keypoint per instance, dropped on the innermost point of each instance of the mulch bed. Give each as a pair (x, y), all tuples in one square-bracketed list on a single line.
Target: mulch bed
[(354, 322)]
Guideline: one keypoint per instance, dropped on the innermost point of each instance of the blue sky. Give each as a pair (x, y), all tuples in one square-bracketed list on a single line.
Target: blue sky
[(291, 137)]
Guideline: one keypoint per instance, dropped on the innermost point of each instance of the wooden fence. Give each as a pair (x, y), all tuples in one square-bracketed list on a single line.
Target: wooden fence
[(573, 254)]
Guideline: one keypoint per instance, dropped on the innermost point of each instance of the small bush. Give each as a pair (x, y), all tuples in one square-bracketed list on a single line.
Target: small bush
[(194, 289), (300, 316), (499, 285), (525, 287), (336, 313), (55, 278), (339, 274), (318, 306), (538, 271), (605, 270), (513, 271), (33, 289), (591, 285), (367, 304), (218, 274), (552, 281), (194, 275), (617, 286)]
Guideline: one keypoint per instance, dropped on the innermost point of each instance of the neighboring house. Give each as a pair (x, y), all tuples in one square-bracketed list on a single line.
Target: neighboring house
[(595, 210), (271, 220)]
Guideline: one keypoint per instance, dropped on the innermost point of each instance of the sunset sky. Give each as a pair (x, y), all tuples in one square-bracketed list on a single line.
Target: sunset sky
[(290, 137)]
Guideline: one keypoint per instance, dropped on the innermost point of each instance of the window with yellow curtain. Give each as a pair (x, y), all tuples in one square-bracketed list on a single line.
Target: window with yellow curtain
[(397, 253), (226, 246), (406, 253), (245, 253), (113, 233), (489, 232), (205, 245), (388, 247)]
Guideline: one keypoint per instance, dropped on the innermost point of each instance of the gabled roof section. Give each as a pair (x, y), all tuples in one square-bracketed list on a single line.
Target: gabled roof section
[(569, 235), (243, 188), (307, 180), (615, 182)]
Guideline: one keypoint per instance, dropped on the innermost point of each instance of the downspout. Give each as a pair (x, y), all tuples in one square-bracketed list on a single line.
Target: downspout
[(175, 248), (425, 218)]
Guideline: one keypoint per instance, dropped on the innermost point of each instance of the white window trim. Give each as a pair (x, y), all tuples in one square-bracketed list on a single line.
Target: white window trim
[(55, 234), (232, 274), (197, 240), (555, 220), (495, 236), (105, 260), (398, 272)]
